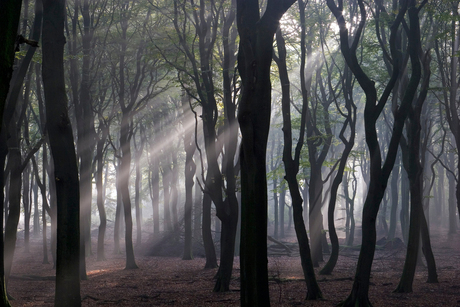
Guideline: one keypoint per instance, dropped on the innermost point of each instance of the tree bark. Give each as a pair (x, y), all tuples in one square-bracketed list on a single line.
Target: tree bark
[(254, 60), (189, 172), (350, 121), (62, 146), (291, 166), (209, 248)]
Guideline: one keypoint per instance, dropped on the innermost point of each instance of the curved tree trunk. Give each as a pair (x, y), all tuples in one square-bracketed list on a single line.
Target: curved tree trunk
[(291, 166), (378, 174), (350, 121)]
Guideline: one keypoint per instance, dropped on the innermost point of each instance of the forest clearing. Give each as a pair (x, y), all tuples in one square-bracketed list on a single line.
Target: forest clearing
[(171, 281)]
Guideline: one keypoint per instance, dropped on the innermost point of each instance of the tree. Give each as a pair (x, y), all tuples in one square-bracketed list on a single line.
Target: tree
[(291, 166), (10, 12), (189, 172), (350, 124), (254, 60), (62, 147), (198, 55), (379, 173), (412, 158)]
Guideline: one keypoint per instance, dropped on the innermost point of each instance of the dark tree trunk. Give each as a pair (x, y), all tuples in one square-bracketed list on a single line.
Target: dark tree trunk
[(203, 75), (3, 153), (394, 198), (209, 248), (173, 191), (254, 60), (125, 165), (282, 203), (428, 252), (166, 174), (65, 161), (197, 209), (14, 113), (291, 167), (36, 219), (189, 172), (412, 163), (378, 174), (118, 213), (26, 200), (137, 188), (15, 186), (318, 144), (275, 208), (350, 121), (100, 191)]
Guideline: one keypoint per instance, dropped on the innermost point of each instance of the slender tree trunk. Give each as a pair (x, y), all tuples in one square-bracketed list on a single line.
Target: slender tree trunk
[(36, 218), (173, 191), (15, 186), (282, 207), (394, 198), (209, 249), (155, 193), (428, 252), (125, 165), (118, 214), (137, 196), (62, 147), (291, 166), (190, 168), (350, 121), (197, 208), (100, 196)]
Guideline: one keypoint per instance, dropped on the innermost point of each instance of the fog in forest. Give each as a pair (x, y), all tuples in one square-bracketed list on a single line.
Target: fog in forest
[(225, 153)]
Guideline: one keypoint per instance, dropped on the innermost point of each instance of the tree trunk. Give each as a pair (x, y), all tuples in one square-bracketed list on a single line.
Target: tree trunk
[(100, 193), (412, 163), (282, 207), (189, 172), (166, 174), (15, 189), (378, 174), (173, 191), (350, 121), (197, 208), (291, 166), (155, 193), (209, 249), (63, 150), (394, 198), (125, 166), (3, 153), (254, 60), (137, 188), (118, 213)]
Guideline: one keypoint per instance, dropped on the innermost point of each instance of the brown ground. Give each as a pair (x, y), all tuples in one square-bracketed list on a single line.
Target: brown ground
[(163, 281)]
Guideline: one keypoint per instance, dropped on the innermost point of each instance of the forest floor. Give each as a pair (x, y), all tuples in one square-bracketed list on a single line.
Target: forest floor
[(164, 281)]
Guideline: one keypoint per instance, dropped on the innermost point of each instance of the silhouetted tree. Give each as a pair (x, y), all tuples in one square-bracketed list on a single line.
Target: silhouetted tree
[(62, 147), (254, 61)]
